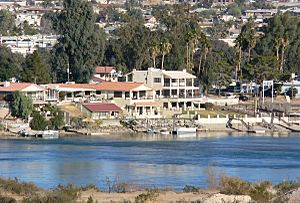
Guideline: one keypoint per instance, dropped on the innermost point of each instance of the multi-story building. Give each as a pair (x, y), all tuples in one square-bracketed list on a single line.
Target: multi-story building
[(175, 89)]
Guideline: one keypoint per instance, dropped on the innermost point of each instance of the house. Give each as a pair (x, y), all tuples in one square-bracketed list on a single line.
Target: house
[(70, 92), (260, 13), (102, 110), (35, 92), (175, 89), (134, 97), (107, 73)]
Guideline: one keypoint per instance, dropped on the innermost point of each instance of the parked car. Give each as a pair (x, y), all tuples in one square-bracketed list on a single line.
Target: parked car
[(243, 98)]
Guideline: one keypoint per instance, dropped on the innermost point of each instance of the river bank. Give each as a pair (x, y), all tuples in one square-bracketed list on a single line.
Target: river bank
[(226, 190)]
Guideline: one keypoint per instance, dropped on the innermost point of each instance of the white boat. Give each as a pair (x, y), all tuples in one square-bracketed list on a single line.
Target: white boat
[(185, 132), (48, 134)]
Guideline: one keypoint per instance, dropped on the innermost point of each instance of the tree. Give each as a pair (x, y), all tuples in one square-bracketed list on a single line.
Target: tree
[(57, 120), (35, 69), (154, 51), (21, 106), (29, 29), (284, 44), (165, 49), (81, 42), (38, 121), (10, 64), (7, 22)]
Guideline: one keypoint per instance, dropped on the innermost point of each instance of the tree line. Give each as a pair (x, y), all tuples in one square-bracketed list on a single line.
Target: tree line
[(179, 43)]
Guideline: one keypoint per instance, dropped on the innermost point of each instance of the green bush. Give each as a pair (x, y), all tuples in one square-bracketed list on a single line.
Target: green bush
[(7, 199), (191, 188), (261, 192), (149, 196), (21, 106), (286, 186), (57, 120), (38, 121), (234, 186), (209, 106), (14, 186)]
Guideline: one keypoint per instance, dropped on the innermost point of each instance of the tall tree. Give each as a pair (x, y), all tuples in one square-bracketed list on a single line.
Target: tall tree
[(165, 49), (35, 69), (21, 106), (10, 64), (7, 22), (81, 42), (154, 51), (284, 44)]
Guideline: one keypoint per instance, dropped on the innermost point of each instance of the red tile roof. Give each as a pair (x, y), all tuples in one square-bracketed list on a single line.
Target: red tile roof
[(75, 86), (13, 87), (118, 86), (104, 69), (145, 104), (102, 107)]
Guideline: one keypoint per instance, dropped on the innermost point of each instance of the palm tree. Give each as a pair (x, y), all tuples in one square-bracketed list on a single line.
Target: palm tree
[(205, 49), (192, 41), (251, 43), (154, 52), (284, 43), (165, 49), (277, 46), (238, 51)]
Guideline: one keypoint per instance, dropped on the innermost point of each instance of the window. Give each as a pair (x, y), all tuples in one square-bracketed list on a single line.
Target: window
[(117, 94), (174, 92), (98, 92), (127, 94), (166, 82), (173, 80), (157, 80), (129, 78), (189, 82)]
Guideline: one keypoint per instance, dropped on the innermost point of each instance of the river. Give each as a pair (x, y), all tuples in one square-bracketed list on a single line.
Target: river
[(149, 161)]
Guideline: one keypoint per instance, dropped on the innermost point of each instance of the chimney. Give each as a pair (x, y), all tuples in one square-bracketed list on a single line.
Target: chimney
[(6, 84)]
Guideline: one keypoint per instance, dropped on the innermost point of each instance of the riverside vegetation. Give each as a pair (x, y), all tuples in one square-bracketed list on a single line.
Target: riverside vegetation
[(12, 190)]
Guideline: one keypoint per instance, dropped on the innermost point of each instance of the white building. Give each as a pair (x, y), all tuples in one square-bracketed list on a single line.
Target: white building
[(175, 89)]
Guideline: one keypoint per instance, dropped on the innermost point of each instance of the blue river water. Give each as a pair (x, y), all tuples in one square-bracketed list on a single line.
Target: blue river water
[(149, 162)]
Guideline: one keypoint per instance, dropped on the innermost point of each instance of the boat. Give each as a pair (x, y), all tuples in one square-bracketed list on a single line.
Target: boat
[(185, 132), (164, 131), (48, 134), (45, 134)]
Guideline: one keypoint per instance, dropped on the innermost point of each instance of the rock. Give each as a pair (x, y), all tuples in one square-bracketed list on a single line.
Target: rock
[(221, 198)]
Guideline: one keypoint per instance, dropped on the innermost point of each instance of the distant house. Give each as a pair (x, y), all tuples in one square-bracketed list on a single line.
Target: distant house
[(135, 97), (106, 73), (35, 92), (174, 88), (102, 110)]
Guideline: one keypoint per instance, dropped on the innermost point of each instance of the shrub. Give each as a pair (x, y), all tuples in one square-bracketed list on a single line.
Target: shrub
[(149, 196), (261, 193), (38, 121), (21, 106), (90, 187), (291, 93), (57, 120), (17, 187), (234, 186), (286, 186), (90, 200), (209, 106), (191, 188), (7, 199)]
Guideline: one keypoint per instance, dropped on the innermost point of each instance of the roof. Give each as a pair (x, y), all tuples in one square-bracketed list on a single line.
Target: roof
[(121, 86), (145, 104), (102, 107), (178, 74), (24, 87), (72, 87), (104, 69)]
